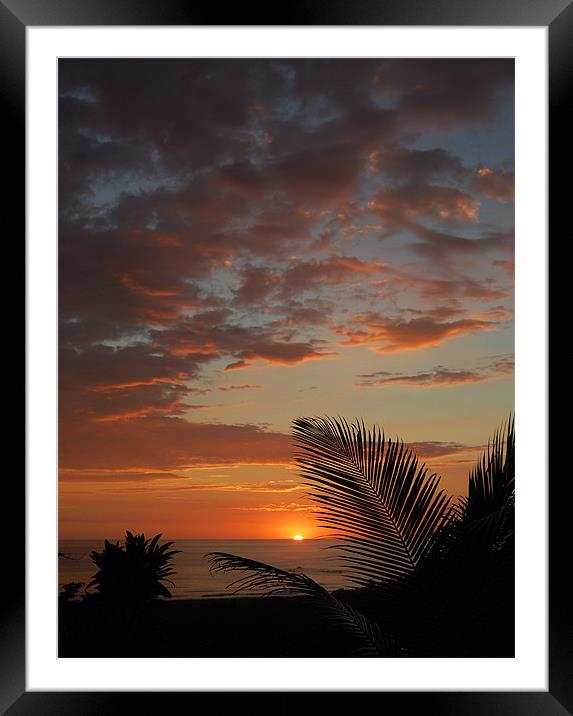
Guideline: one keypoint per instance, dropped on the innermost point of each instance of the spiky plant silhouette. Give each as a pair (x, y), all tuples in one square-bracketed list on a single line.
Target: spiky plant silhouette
[(131, 574), (431, 578)]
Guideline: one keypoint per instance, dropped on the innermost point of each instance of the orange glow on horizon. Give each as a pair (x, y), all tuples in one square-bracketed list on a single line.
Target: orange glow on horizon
[(298, 538)]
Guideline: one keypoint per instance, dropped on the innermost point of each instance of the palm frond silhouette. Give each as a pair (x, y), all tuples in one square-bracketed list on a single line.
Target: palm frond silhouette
[(381, 503), (365, 636), (487, 511), (425, 572)]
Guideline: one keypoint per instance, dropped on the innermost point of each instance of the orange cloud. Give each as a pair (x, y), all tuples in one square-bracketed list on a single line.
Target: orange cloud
[(166, 444), (135, 384), (173, 409), (393, 335), (136, 286)]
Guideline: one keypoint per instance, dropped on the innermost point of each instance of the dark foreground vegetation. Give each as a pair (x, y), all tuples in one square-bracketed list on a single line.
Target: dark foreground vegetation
[(222, 627), (433, 577)]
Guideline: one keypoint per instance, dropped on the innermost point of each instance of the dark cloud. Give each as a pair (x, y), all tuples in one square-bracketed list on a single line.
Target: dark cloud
[(107, 384), (448, 291), (431, 449), (415, 166), (300, 313), (335, 270), (321, 177), (440, 246), (230, 388), (257, 282), (498, 185), (437, 93), (211, 334)]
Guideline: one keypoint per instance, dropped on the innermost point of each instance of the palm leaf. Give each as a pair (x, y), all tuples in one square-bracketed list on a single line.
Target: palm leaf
[(486, 516), (372, 492), (365, 635), (492, 481)]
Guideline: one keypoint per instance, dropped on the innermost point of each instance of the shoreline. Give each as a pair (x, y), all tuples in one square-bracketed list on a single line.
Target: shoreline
[(226, 597)]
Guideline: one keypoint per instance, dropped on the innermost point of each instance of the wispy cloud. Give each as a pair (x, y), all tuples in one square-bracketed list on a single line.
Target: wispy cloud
[(288, 507), (441, 376)]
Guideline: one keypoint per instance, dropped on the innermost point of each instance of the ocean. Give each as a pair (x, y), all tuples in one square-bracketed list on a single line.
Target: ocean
[(193, 579)]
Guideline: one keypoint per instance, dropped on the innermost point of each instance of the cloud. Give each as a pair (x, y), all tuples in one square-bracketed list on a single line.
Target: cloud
[(301, 276), (124, 475), (302, 313), (158, 380), (106, 383), (168, 444), (210, 333), (389, 335), (171, 487), (507, 266), (320, 177), (174, 408), (229, 388), (237, 365), (435, 93), (271, 486), (431, 449), (287, 507), (436, 288), (441, 376), (439, 246), (256, 284), (333, 271), (286, 353), (415, 166), (128, 279), (400, 205), (204, 231), (498, 185)]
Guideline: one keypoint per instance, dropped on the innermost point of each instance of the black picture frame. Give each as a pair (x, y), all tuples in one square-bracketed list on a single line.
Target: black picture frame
[(557, 15)]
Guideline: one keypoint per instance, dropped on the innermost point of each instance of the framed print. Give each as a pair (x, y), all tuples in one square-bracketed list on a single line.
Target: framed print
[(259, 257)]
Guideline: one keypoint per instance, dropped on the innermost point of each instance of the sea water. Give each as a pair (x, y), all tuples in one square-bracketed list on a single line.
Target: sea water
[(192, 579)]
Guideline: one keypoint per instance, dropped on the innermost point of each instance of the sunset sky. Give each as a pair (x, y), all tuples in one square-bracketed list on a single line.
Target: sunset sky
[(243, 242)]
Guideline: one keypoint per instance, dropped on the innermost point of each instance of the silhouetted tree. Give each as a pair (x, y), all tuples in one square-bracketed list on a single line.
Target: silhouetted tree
[(118, 615), (69, 591), (432, 578), (134, 573)]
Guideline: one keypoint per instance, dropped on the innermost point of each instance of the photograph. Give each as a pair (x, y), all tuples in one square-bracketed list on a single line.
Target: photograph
[(286, 343)]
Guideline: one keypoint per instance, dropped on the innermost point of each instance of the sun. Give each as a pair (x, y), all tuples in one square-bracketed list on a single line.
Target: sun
[(298, 538)]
